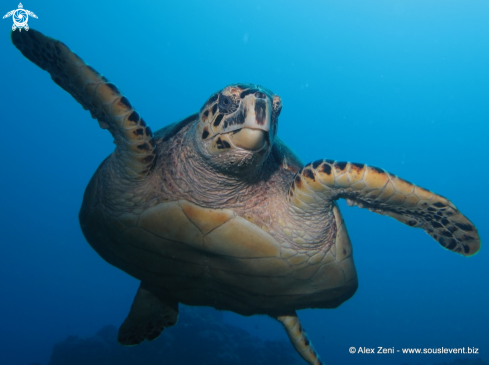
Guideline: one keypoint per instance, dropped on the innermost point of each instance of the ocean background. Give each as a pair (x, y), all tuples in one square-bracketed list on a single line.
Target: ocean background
[(403, 85)]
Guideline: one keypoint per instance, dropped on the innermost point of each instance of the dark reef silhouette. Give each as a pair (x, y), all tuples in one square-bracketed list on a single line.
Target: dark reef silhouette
[(200, 337)]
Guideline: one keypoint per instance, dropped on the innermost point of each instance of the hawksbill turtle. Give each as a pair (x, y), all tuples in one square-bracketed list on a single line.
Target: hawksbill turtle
[(215, 210)]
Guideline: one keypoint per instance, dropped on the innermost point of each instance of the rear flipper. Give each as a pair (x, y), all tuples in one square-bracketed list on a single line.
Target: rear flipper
[(322, 181), (149, 315), (299, 338)]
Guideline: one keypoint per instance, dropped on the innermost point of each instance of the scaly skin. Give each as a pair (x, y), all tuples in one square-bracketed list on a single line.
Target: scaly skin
[(370, 187), (134, 155), (299, 339), (210, 212)]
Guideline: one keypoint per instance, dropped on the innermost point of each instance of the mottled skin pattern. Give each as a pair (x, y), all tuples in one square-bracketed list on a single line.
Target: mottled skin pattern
[(386, 194), (217, 211)]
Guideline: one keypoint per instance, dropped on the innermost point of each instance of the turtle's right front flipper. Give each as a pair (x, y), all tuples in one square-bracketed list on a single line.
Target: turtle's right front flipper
[(320, 182), (135, 152)]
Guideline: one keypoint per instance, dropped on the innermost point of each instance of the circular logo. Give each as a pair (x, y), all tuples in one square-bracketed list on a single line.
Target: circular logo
[(20, 17), (352, 350)]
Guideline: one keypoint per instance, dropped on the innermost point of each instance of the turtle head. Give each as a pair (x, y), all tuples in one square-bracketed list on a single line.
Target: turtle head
[(237, 126)]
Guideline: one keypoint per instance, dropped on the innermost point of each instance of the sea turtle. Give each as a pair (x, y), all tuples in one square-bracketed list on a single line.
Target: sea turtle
[(215, 210), (20, 17)]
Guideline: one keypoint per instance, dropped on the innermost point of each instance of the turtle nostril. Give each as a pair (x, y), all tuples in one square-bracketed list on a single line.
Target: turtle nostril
[(260, 95)]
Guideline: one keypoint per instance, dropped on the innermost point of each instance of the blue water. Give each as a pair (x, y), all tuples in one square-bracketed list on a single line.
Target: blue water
[(403, 85)]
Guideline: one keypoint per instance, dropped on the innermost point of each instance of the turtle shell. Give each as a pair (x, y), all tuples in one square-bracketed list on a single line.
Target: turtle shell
[(214, 257)]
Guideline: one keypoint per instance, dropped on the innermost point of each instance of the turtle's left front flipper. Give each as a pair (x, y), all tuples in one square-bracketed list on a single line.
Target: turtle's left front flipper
[(322, 181), (135, 152)]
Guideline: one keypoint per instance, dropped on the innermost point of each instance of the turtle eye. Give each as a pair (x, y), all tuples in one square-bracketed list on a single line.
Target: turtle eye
[(225, 103)]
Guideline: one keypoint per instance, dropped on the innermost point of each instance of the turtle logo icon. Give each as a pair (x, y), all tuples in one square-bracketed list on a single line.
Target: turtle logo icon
[(20, 17)]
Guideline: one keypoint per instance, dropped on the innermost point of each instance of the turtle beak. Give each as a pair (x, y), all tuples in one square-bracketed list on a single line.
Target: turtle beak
[(251, 123), (250, 139)]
